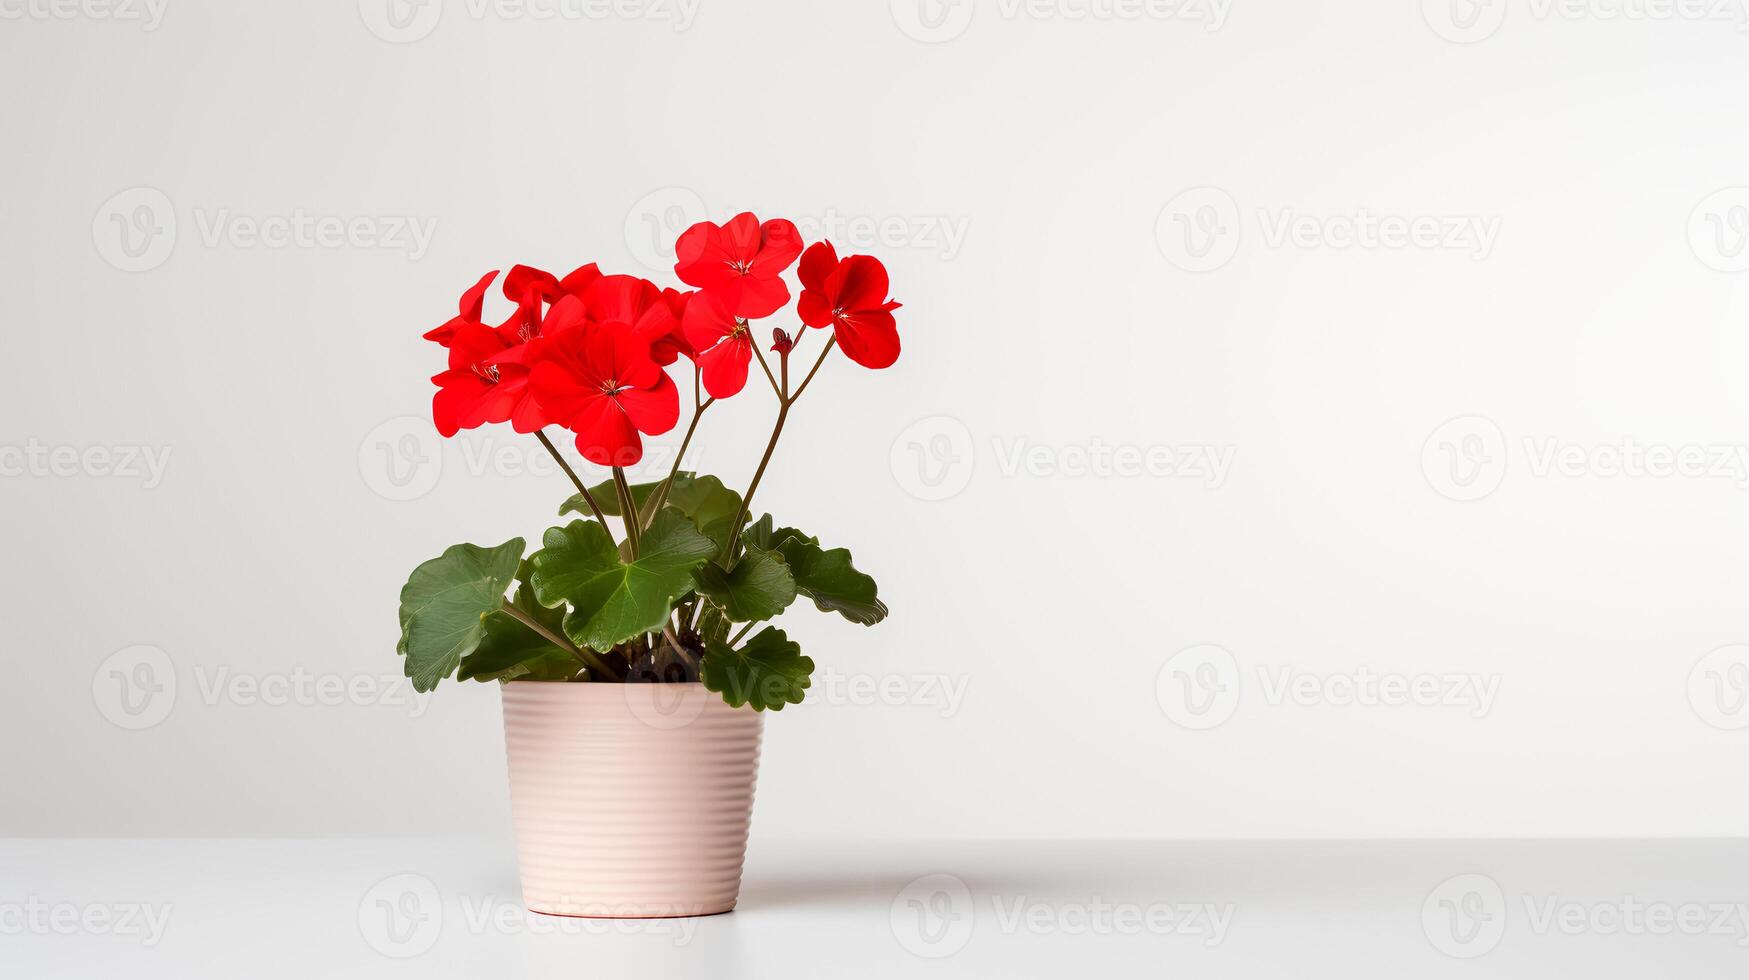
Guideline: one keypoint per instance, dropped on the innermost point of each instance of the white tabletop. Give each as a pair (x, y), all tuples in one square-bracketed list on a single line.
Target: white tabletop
[(449, 908)]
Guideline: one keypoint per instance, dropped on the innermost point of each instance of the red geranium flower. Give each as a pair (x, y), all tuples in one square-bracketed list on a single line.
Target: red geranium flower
[(600, 382), (478, 388), (472, 305), (528, 288), (668, 348), (741, 261), (633, 301), (579, 279), (723, 343), (851, 295)]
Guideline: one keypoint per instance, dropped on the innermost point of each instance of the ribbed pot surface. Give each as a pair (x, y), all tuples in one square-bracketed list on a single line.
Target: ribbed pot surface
[(629, 800)]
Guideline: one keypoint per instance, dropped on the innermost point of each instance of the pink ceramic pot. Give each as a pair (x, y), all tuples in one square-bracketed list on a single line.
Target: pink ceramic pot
[(630, 800)]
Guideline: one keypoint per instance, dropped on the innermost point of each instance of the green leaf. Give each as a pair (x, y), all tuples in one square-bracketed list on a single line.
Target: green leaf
[(510, 649), (758, 588), (443, 605), (705, 500), (828, 577), (768, 671), (759, 535), (614, 600), (607, 495)]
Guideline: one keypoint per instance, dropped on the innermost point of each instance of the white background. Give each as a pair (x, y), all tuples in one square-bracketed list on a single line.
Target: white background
[(288, 386)]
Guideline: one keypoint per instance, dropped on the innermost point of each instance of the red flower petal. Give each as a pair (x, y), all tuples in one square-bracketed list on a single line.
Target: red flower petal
[(860, 283), (724, 367), (523, 281), (474, 300), (814, 309), (579, 279), (751, 297), (818, 262), (605, 436), (740, 237), (779, 244), (652, 410), (870, 338), (707, 321)]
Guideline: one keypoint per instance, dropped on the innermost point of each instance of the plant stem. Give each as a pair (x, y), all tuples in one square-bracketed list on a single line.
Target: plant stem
[(674, 642), (830, 343), (767, 369), (581, 489), (589, 659), (628, 507), (660, 497), (744, 631), (758, 474), (784, 399)]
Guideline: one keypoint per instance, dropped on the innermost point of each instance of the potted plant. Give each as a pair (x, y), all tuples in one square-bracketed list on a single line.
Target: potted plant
[(632, 645)]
